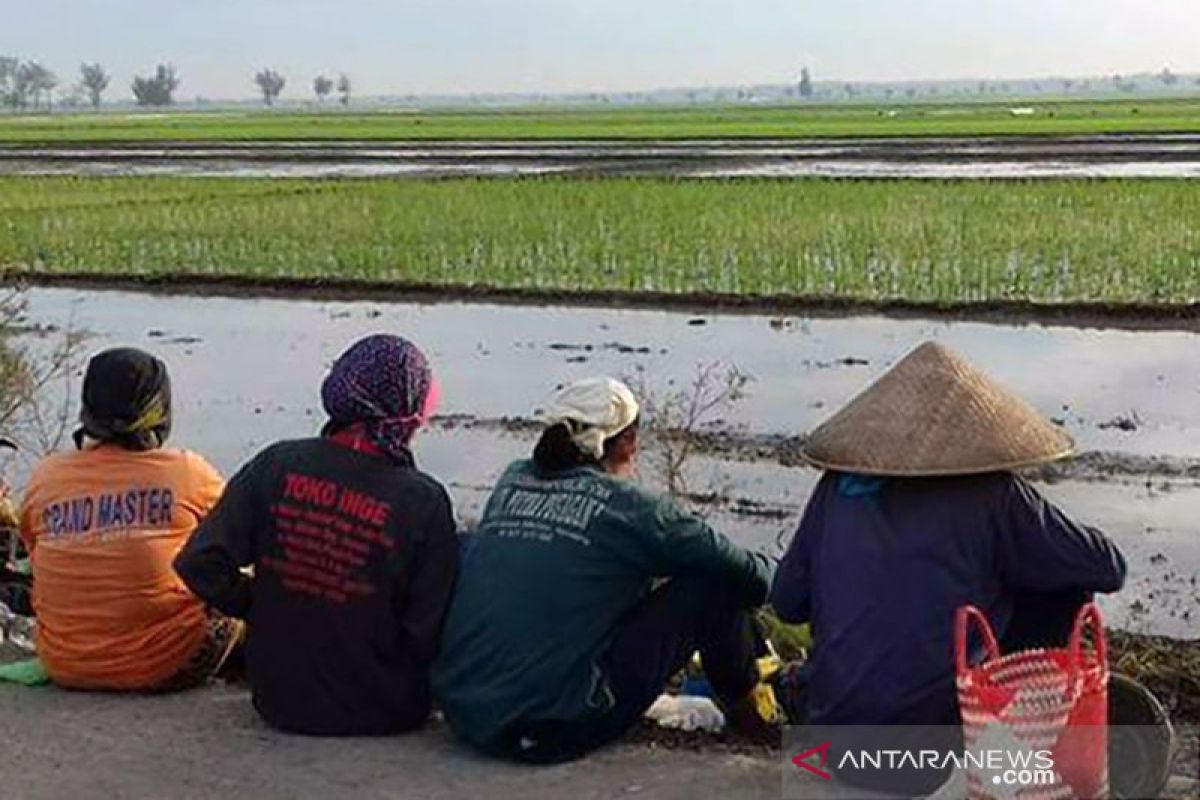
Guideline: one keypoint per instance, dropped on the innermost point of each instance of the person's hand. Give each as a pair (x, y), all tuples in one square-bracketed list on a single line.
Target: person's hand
[(10, 524), (9, 518)]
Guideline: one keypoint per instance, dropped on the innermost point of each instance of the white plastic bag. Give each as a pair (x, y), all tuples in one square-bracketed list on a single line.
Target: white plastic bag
[(686, 713)]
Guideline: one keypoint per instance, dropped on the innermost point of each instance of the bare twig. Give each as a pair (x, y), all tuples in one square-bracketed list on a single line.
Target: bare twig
[(672, 419), (31, 414)]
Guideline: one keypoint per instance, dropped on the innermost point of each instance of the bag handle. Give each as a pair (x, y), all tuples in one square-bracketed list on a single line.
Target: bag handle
[(962, 623), (1088, 617)]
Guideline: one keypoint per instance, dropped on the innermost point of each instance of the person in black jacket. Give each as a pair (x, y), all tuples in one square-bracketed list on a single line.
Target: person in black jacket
[(354, 555)]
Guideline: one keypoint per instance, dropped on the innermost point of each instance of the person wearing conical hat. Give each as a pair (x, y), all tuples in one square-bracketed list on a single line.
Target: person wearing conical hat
[(918, 513)]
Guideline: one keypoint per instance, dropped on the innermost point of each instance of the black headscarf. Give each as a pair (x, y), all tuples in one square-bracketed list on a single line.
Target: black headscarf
[(126, 400)]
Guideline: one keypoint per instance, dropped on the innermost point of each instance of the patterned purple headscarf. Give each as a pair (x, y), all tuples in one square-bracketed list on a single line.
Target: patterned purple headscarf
[(384, 384)]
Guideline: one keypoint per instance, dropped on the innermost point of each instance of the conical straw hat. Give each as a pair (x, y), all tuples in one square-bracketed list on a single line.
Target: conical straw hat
[(935, 414)]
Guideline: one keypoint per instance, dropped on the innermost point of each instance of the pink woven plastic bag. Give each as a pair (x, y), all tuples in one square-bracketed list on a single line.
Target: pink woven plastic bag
[(1035, 702)]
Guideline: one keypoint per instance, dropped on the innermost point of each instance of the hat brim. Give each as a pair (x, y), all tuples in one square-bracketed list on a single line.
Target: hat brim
[(935, 414), (934, 472)]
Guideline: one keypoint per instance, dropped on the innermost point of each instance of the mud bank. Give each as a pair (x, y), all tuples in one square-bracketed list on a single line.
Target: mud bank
[(247, 370), (1145, 155), (785, 450), (1105, 316)]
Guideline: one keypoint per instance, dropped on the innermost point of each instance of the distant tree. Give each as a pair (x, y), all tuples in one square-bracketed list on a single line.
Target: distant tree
[(158, 89), (1068, 84), (1168, 78), (22, 89), (982, 87), (8, 80), (1124, 85), (322, 86), (36, 82), (270, 83), (93, 80), (806, 86), (343, 87)]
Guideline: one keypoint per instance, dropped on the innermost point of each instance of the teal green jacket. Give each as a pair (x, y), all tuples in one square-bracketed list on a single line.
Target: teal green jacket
[(554, 566)]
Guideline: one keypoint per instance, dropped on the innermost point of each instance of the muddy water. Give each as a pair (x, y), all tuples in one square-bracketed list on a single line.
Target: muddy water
[(247, 371), (954, 157)]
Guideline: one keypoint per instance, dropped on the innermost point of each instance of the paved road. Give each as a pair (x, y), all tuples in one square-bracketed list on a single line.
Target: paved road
[(209, 744)]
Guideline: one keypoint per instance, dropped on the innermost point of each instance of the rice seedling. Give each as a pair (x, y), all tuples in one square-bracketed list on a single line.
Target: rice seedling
[(1111, 241), (1055, 116)]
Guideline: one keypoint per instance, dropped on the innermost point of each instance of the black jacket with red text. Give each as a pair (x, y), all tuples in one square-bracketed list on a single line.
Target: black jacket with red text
[(354, 558)]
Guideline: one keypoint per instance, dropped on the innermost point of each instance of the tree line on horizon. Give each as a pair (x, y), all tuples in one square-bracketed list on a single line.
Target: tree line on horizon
[(270, 84), (28, 85)]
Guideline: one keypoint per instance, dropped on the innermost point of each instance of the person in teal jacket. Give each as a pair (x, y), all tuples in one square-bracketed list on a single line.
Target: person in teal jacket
[(560, 634)]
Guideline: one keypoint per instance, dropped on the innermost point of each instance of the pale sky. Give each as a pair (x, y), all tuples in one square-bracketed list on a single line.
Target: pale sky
[(457, 46)]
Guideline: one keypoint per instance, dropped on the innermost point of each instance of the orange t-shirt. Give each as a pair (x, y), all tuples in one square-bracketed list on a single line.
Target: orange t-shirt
[(102, 526)]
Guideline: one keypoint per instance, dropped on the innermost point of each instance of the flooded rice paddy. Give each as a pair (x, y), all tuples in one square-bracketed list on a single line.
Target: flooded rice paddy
[(1142, 155), (247, 371)]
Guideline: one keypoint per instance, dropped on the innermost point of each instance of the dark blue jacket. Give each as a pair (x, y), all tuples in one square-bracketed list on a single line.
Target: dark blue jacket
[(879, 573)]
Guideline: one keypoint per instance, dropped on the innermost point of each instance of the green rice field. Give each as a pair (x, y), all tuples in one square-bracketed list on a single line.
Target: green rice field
[(1050, 117), (1098, 241)]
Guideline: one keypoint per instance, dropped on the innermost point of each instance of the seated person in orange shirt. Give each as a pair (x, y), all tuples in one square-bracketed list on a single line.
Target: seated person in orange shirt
[(103, 524)]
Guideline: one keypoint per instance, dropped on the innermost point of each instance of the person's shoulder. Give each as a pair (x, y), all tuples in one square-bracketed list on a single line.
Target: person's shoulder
[(985, 493), (285, 448), (996, 483), (428, 485), (634, 492), (47, 468), (631, 497), (303, 454), (274, 452), (520, 471), (976, 485), (52, 461), (188, 458), (518, 468)]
